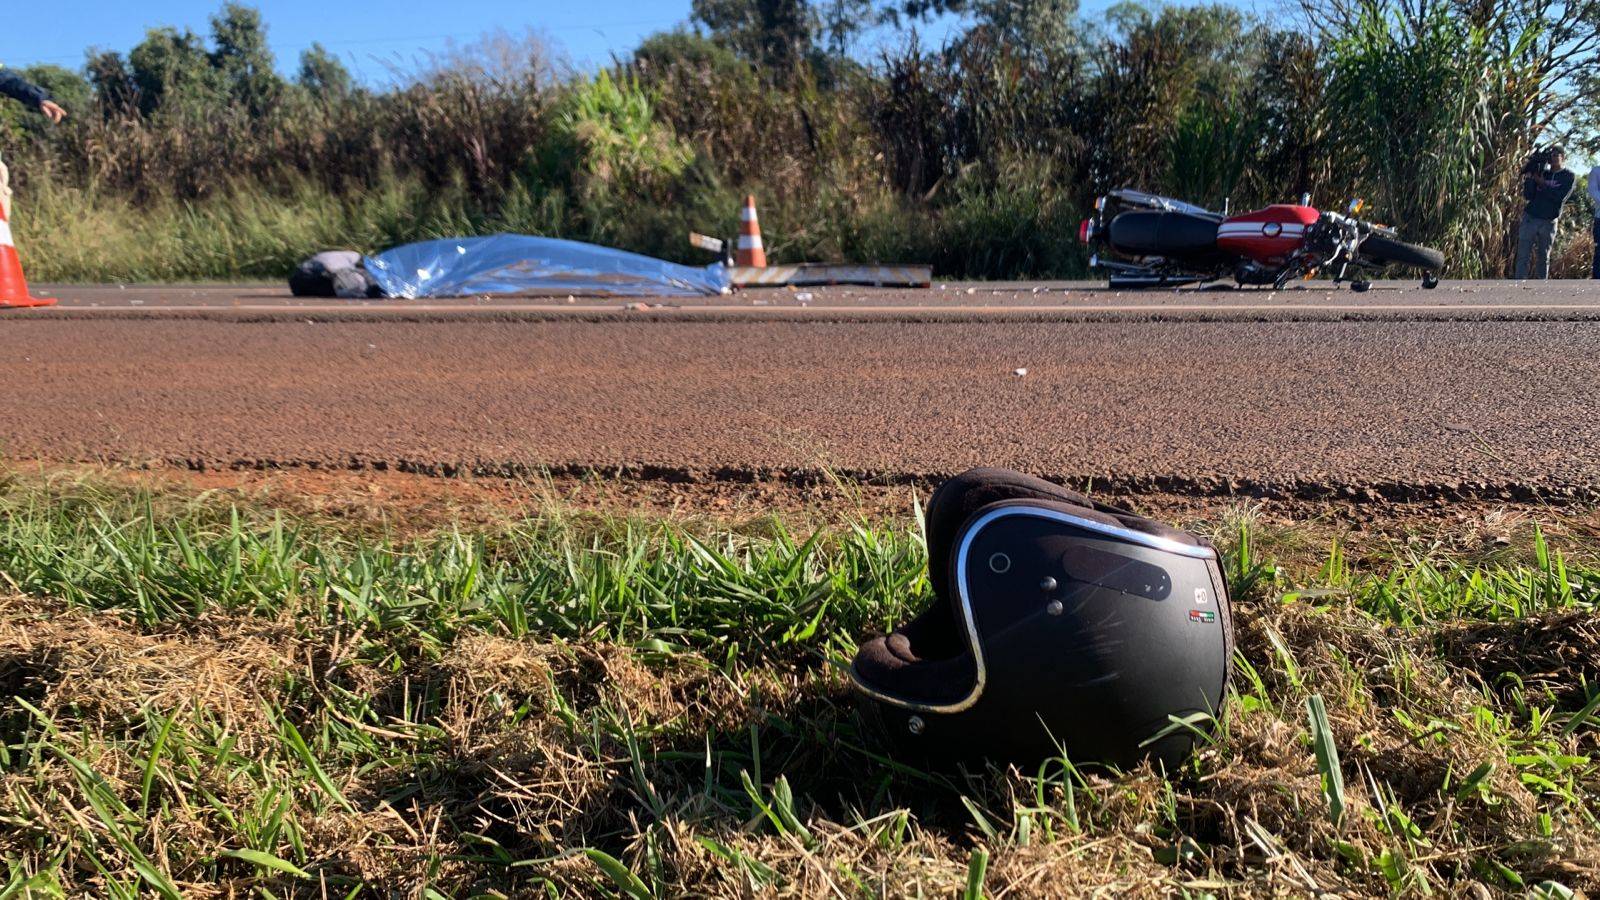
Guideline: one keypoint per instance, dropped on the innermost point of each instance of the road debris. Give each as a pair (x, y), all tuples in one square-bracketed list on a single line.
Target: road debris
[(816, 274)]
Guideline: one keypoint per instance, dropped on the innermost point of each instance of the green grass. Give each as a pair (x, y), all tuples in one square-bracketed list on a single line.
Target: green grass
[(199, 696), (261, 232), (550, 578), (70, 234)]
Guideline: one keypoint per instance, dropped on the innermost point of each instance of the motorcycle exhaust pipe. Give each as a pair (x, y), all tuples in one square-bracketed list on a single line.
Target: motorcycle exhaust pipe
[(1141, 282)]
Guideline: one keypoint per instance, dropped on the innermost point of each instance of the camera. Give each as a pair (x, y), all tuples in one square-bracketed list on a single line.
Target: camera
[(1540, 162)]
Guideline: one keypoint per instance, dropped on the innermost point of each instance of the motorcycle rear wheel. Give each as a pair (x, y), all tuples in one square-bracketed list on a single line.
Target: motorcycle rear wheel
[(1383, 250)]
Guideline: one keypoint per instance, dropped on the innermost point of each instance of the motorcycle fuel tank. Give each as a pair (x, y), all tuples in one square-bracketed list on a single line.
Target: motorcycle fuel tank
[(1267, 235)]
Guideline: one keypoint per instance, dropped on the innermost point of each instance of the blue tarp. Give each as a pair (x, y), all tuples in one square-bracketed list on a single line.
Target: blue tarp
[(519, 264)]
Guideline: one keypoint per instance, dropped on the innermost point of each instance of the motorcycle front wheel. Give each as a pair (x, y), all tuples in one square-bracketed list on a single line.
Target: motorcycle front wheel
[(1383, 250)]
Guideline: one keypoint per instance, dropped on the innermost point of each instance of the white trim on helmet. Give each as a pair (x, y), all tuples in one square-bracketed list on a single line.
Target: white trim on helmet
[(1132, 536)]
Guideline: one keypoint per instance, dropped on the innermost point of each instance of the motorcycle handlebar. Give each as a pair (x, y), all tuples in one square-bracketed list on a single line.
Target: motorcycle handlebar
[(1362, 226)]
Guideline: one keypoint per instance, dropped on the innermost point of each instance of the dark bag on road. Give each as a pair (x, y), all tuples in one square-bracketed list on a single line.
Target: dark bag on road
[(334, 273)]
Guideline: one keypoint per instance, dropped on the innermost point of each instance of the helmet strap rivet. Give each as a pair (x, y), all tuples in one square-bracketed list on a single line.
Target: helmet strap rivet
[(1055, 608), (1047, 584), (915, 724)]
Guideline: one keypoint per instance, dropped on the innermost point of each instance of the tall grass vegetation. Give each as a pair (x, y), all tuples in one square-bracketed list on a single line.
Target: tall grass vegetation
[(193, 156)]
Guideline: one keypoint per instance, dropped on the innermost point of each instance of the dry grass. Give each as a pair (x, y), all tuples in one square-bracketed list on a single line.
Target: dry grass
[(99, 666), (296, 749)]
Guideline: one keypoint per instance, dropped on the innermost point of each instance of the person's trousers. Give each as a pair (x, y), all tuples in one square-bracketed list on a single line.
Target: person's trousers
[(1594, 270), (1534, 238)]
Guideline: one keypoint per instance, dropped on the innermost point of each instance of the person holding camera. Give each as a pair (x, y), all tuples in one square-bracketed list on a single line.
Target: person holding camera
[(1546, 184)]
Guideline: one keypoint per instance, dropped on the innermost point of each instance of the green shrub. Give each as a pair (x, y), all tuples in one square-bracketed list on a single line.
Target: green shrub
[(605, 141)]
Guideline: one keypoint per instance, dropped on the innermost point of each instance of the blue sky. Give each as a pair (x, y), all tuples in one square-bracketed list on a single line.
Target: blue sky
[(372, 37)]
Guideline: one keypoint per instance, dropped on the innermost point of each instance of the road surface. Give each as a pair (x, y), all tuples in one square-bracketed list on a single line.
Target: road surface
[(1472, 390), (1023, 301)]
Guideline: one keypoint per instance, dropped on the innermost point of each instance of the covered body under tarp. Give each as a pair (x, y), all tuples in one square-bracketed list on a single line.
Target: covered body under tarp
[(520, 264)]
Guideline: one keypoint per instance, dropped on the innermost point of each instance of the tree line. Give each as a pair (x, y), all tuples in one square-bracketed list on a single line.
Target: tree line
[(978, 155)]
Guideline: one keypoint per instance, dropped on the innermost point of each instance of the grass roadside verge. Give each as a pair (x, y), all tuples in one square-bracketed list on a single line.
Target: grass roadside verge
[(209, 698)]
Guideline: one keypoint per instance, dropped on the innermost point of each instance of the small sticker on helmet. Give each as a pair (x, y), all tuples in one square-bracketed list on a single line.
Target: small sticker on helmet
[(1202, 616)]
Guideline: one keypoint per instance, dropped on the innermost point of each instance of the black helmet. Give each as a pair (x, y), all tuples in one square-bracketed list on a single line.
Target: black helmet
[(1057, 624)]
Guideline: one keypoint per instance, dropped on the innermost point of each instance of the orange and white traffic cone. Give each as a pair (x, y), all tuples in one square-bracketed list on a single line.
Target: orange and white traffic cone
[(750, 253), (13, 286)]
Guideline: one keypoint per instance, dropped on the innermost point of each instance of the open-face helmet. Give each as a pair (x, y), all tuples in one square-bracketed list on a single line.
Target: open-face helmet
[(1059, 626)]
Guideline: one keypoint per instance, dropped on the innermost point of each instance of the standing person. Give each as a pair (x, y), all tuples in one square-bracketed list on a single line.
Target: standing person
[(1594, 229), (34, 97), (1546, 184)]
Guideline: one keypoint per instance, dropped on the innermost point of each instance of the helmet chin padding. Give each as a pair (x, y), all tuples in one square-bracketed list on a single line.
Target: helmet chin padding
[(1058, 624)]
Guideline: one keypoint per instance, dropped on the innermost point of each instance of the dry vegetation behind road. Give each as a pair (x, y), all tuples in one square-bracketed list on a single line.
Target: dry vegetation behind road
[(217, 688), (189, 156)]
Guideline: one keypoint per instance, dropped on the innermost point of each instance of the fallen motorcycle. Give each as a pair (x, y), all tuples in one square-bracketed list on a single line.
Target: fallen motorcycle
[(1145, 240)]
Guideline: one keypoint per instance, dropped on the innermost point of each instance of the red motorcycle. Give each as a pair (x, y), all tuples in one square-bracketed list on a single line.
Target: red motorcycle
[(1161, 242)]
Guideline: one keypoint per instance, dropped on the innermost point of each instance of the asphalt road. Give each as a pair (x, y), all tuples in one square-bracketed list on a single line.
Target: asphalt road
[(1478, 390), (1023, 301)]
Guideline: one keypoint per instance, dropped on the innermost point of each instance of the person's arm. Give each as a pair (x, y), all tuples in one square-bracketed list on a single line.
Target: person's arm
[(1554, 190), (1559, 187), (30, 95), (1594, 187), (21, 90)]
